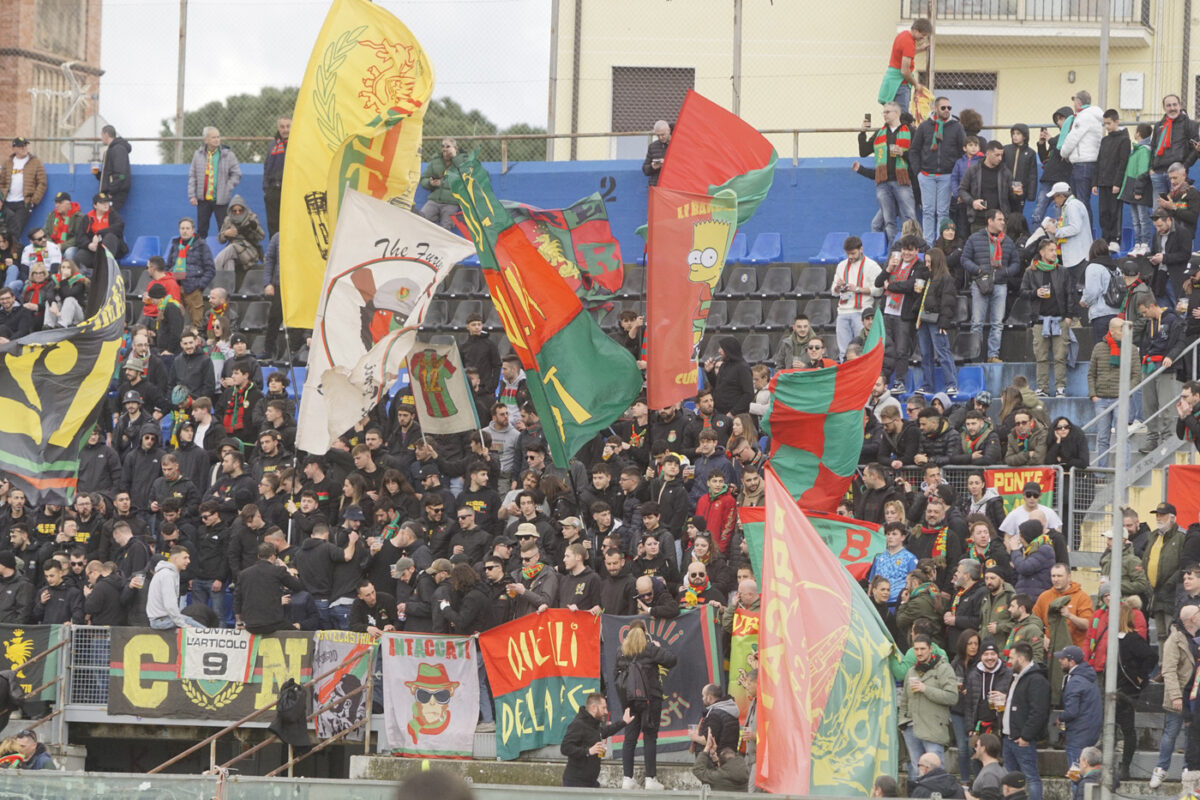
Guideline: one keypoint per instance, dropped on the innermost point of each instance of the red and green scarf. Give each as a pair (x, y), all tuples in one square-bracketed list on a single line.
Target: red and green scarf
[(904, 141), (939, 544), (1114, 350), (218, 310), (1040, 541), (529, 573), (60, 225), (1164, 141), (180, 265), (238, 408), (997, 247), (939, 131)]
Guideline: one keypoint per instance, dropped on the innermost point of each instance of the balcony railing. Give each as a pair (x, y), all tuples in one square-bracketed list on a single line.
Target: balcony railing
[(1124, 12)]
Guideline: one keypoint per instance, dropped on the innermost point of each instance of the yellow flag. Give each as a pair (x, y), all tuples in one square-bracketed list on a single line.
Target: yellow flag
[(357, 125)]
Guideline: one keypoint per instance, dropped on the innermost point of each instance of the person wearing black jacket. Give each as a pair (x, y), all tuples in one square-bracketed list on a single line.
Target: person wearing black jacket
[(131, 555), (967, 608), (418, 608), (99, 464), (618, 594), (579, 588), (193, 368), (316, 562), (1110, 174), (936, 145), (259, 592), (1021, 161), (244, 539), (900, 304), (989, 252), (1068, 446), (103, 228), (731, 379), (899, 441), (987, 184), (480, 352), (16, 320), (1171, 142), (1048, 287), (1027, 710), (877, 491), (1162, 342), (938, 442), (1170, 250), (57, 602), (640, 652), (210, 568), (373, 612), (583, 742), (102, 597), (235, 488), (656, 151), (1055, 168)]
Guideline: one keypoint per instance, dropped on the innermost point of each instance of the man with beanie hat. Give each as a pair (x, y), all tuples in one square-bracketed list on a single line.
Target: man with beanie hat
[(990, 674), (1032, 556), (16, 593)]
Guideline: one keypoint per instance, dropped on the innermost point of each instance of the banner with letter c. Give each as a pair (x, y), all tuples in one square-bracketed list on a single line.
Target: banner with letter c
[(541, 667)]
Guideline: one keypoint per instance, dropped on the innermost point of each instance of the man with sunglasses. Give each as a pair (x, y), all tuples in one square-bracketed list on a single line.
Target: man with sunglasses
[(468, 539), (1031, 504), (536, 589), (936, 145)]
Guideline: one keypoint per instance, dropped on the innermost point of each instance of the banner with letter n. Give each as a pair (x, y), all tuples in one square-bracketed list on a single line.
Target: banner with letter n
[(19, 643), (743, 643), (430, 695), (352, 651), (541, 667), (147, 674), (216, 654), (692, 637), (1010, 483)]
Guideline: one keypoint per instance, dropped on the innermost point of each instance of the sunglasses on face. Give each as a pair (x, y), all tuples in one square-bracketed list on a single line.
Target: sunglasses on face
[(441, 696), (943, 108), (695, 574), (1031, 494), (436, 510), (815, 347), (78, 563), (38, 239), (464, 516)]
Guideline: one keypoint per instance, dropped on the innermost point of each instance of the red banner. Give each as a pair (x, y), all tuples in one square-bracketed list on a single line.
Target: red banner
[(803, 622), (689, 238), (1010, 483), (1183, 492)]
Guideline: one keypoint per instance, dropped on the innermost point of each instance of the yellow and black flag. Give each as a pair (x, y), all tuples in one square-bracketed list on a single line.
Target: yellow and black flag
[(51, 386)]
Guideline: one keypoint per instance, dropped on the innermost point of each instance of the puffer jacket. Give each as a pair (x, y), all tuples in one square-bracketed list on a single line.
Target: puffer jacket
[(437, 169), (1082, 143), (199, 264), (929, 711), (1060, 303), (1083, 711), (942, 446), (987, 442), (141, 467), (977, 713), (1104, 378)]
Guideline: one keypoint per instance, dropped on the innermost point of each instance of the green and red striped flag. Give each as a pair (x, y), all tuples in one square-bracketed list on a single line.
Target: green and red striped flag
[(854, 542), (579, 379), (816, 424)]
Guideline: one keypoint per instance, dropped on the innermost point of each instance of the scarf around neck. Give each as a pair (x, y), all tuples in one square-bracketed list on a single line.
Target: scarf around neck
[(903, 140)]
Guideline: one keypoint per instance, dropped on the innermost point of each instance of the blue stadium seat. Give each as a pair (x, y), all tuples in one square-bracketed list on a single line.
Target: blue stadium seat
[(768, 247), (142, 249), (737, 250), (641, 259), (214, 245), (970, 380), (875, 245), (1126, 239), (831, 248), (298, 376)]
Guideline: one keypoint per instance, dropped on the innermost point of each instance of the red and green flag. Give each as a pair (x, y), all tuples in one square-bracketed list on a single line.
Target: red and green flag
[(816, 424), (854, 542), (826, 699), (580, 380)]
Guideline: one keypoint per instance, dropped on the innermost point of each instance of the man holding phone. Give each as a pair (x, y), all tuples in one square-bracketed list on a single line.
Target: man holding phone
[(657, 151)]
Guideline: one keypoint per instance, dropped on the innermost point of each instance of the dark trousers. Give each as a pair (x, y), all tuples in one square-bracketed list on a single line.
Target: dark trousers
[(274, 324), (580, 784), (1128, 731), (88, 259), (1110, 215), (204, 210), (264, 630), (898, 346), (641, 727), (16, 217), (271, 196), (119, 197)]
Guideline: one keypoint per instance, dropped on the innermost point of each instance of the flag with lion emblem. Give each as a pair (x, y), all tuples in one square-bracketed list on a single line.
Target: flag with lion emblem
[(357, 126)]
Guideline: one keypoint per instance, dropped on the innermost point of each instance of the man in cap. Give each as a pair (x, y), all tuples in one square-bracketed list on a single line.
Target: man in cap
[(103, 229), (1012, 786), (1032, 503), (1133, 574), (1072, 230), (22, 186), (1162, 563), (1083, 710)]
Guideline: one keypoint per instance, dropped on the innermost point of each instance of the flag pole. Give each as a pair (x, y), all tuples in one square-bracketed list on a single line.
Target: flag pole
[(291, 364)]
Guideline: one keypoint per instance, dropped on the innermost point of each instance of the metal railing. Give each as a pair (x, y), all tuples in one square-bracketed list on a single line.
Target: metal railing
[(956, 476), (1123, 12)]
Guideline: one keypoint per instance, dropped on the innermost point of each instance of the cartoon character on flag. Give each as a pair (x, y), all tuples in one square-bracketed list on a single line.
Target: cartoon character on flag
[(432, 370), (706, 259), (431, 691)]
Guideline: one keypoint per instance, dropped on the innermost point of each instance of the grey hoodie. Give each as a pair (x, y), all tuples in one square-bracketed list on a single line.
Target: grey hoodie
[(164, 595)]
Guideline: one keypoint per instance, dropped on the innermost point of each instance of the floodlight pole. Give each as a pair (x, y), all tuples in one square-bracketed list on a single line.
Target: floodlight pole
[(183, 15)]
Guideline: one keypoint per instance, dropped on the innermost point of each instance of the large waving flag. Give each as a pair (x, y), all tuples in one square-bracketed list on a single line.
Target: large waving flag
[(816, 424), (853, 541), (51, 385), (357, 125), (826, 701), (689, 238), (384, 266), (580, 380), (713, 149)]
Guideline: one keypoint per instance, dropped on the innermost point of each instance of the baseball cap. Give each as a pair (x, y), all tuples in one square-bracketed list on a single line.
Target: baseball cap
[(403, 563), (20, 141), (1072, 652), (439, 565), (1165, 508), (132, 396), (1130, 266), (429, 469), (1013, 780), (1032, 486), (1062, 187), (507, 541), (989, 644), (101, 197), (572, 521), (58, 198), (354, 513)]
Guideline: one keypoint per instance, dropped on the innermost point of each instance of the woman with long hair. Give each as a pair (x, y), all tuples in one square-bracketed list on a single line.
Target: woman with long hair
[(1137, 660), (219, 348), (894, 511), (936, 315), (354, 493), (743, 425), (404, 498), (964, 661), (642, 656), (70, 290)]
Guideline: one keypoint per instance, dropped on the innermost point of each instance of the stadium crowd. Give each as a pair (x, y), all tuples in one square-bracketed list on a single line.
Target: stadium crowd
[(194, 509)]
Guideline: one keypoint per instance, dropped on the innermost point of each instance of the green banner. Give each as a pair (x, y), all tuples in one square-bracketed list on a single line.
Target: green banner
[(23, 642)]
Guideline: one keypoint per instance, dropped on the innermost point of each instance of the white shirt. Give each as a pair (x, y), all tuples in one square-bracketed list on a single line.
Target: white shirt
[(16, 189), (1018, 515), (859, 275), (50, 255)]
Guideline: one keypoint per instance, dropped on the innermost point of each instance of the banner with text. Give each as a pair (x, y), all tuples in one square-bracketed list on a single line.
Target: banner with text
[(216, 654), (1010, 484), (352, 651), (692, 637), (743, 644), (540, 667), (431, 695), (145, 678)]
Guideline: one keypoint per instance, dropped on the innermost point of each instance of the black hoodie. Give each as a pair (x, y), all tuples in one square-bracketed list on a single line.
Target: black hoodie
[(1055, 168), (733, 385), (937, 781), (114, 177), (142, 467), (1022, 164)]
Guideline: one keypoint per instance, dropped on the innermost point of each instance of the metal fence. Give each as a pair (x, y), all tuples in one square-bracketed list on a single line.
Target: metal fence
[(87, 673), (956, 476)]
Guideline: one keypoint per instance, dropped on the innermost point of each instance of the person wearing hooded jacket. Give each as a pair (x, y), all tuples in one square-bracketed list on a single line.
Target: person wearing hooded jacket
[(930, 689), (1083, 710), (114, 175), (1022, 163), (731, 379), (1055, 168), (1032, 556), (1079, 143), (142, 466), (243, 235), (990, 674)]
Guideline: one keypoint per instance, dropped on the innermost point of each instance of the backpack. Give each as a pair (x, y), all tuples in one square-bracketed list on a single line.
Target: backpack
[(632, 686), (1114, 293)]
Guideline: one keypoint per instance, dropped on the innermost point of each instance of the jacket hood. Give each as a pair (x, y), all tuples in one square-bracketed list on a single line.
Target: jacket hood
[(728, 705), (732, 348), (151, 429), (119, 142), (162, 565), (989, 494), (1085, 671), (1029, 399), (1023, 128), (938, 780), (238, 200), (944, 399)]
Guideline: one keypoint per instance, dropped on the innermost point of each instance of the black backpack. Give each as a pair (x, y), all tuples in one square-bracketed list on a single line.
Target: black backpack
[(1114, 293), (632, 686)]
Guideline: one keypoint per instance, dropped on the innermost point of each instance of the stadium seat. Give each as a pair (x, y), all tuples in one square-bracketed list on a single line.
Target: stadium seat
[(127, 276), (819, 311), (611, 321), (258, 346), (718, 315), (1021, 314), (252, 284), (777, 282), (492, 320), (223, 279), (767, 247), (970, 379), (634, 284), (963, 317), (831, 248), (133, 310), (255, 318), (436, 315), (740, 281), (965, 347), (143, 283), (464, 282), (813, 281), (780, 315), (143, 248), (641, 259), (737, 250), (747, 314), (756, 348), (874, 245), (462, 310)]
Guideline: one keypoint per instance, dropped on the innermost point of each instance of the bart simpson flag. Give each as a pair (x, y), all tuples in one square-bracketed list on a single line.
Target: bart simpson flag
[(357, 125)]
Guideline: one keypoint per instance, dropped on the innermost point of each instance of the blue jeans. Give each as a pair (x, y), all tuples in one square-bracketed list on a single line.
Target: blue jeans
[(1172, 725), (919, 747), (1142, 227), (1104, 428), (959, 723), (935, 202), (935, 343), (903, 96), (1044, 208), (897, 204), (202, 592), (339, 617), (1024, 759), (322, 612), (1161, 184), (1083, 178), (848, 326), (989, 309)]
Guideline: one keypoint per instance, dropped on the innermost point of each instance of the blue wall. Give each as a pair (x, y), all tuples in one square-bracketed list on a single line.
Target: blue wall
[(819, 195)]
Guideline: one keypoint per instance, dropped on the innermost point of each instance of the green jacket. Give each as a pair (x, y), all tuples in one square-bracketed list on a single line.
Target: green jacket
[(1031, 631), (929, 711), (995, 609), (733, 776), (1165, 582), (1133, 574), (925, 602), (437, 169), (1104, 379)]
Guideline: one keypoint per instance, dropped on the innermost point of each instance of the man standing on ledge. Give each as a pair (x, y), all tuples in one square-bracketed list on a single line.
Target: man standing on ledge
[(657, 151), (273, 174), (899, 79), (441, 206)]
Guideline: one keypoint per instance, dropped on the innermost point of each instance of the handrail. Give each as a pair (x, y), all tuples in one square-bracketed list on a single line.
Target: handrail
[(212, 738), (18, 667)]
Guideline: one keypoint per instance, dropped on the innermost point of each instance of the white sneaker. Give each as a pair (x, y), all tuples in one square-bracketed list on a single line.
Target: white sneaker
[(1137, 427), (1113, 247), (652, 785), (628, 783), (1157, 777)]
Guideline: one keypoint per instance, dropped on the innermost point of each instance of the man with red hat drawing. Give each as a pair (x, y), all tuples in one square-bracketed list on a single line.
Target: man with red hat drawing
[(432, 691)]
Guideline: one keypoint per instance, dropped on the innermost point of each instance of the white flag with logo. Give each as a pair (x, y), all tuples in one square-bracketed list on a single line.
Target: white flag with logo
[(216, 654), (440, 388), (384, 265)]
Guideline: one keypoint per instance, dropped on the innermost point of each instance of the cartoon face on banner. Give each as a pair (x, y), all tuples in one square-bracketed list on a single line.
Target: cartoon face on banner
[(381, 295), (431, 695)]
